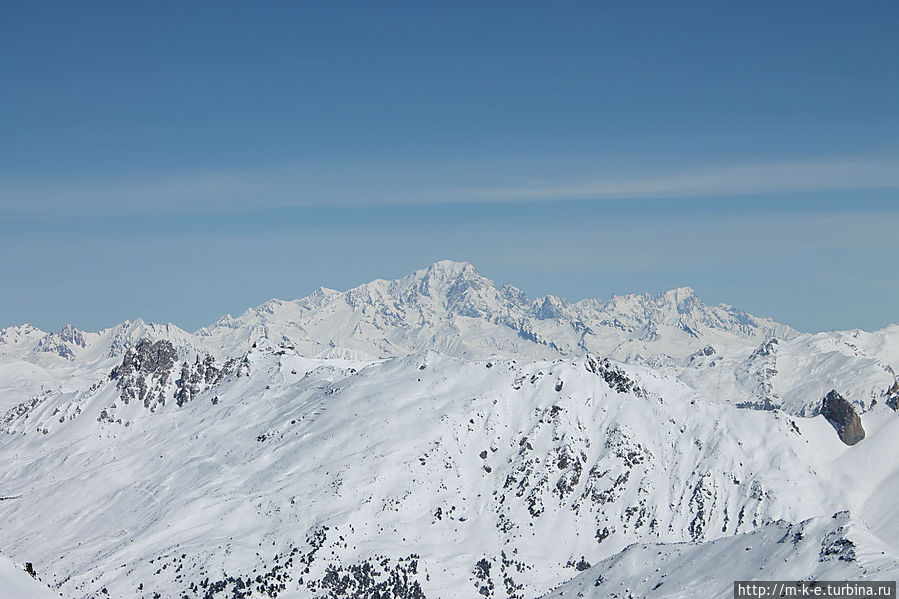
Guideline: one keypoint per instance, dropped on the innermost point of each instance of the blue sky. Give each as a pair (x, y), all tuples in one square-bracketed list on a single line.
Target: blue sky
[(177, 162)]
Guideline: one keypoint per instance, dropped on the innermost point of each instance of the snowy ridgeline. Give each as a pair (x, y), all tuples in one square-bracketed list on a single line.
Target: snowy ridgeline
[(450, 308), (449, 439)]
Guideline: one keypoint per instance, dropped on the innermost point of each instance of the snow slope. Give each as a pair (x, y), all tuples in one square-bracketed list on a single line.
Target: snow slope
[(835, 548), (15, 583), (447, 477)]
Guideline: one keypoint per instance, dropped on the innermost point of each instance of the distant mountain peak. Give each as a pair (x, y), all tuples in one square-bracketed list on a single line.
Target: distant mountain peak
[(679, 294), (446, 272), (450, 268)]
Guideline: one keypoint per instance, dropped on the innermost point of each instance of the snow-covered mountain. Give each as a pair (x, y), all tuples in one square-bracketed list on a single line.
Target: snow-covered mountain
[(442, 474), (450, 308), (439, 436)]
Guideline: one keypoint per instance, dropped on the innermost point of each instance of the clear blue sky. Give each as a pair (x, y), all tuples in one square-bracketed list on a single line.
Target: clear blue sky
[(177, 161)]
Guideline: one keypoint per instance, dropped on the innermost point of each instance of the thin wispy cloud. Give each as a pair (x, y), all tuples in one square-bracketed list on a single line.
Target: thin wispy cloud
[(285, 188), (789, 177)]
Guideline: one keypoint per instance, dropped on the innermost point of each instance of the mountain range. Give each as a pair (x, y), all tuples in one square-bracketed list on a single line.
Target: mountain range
[(442, 436)]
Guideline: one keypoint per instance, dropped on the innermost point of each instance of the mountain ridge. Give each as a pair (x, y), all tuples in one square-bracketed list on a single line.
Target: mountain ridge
[(454, 288), (451, 308)]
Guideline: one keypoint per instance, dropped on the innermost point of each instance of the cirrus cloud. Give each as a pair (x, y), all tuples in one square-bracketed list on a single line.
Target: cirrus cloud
[(302, 187)]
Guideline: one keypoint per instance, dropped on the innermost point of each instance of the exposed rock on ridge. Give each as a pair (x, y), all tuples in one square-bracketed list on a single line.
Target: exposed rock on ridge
[(842, 416), (144, 372)]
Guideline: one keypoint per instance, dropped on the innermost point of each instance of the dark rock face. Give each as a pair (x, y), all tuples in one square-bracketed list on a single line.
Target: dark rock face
[(147, 369), (616, 378), (198, 378), (148, 358), (144, 372), (892, 395), (842, 416)]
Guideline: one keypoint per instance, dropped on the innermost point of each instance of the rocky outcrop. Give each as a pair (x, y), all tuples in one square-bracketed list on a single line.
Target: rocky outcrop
[(147, 357), (705, 352), (144, 372), (199, 377), (892, 396), (842, 416), (614, 376)]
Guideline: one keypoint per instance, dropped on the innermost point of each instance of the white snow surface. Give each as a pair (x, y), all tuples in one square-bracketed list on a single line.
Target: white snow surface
[(15, 583), (437, 436)]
